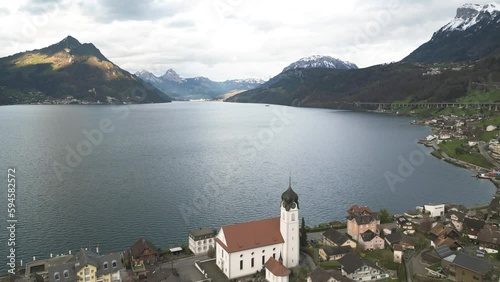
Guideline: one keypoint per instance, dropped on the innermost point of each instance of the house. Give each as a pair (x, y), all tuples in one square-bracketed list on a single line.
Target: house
[(88, 266), (360, 269), (333, 253), (332, 237), (400, 239), (468, 268), (201, 240), (243, 249), (406, 225), (143, 252), (434, 210), (489, 237), (321, 275), (359, 210), (398, 253), (276, 271), (456, 218), (472, 227), (444, 235), (357, 224), (371, 241)]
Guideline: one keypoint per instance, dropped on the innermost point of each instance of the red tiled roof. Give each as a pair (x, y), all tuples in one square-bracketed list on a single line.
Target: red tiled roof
[(277, 268), (252, 234), (358, 209)]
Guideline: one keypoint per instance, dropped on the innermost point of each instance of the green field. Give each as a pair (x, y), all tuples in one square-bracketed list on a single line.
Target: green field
[(451, 148)]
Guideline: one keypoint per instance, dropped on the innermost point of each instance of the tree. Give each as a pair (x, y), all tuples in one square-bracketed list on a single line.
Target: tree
[(384, 216), (303, 233), (211, 252)]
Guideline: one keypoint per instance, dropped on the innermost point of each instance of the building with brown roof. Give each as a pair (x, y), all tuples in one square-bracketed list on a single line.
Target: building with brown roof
[(321, 275), (360, 210), (358, 224), (332, 237), (244, 248), (143, 250), (489, 237), (276, 271)]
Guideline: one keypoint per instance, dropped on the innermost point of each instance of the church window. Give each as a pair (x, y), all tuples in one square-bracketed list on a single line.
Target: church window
[(274, 256), (293, 217), (274, 249), (252, 262), (263, 258), (241, 264)]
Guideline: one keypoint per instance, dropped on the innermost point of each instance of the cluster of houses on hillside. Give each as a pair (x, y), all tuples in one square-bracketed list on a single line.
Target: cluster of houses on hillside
[(138, 263), (459, 243)]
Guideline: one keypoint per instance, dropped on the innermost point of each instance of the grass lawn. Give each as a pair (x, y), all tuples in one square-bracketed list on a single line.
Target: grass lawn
[(331, 264), (450, 147), (385, 257)]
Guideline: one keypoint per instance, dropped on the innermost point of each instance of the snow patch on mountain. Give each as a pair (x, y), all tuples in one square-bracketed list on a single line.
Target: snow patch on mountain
[(470, 14), (318, 61)]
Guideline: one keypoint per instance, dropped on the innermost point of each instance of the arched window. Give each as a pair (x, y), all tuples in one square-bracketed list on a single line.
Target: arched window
[(114, 263), (56, 276), (66, 274), (105, 265), (293, 217)]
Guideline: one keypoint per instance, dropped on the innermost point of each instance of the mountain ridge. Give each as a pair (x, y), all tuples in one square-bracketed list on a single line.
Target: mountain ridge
[(69, 71)]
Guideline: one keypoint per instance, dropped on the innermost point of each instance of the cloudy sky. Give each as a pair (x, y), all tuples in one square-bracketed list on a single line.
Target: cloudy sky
[(227, 39)]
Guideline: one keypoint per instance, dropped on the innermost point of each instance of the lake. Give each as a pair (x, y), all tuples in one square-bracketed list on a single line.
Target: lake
[(106, 175)]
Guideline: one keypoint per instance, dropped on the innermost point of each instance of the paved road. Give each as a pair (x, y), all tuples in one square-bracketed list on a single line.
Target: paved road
[(484, 152), (186, 267)]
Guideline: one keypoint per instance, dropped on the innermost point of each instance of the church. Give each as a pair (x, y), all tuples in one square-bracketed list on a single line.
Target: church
[(243, 249)]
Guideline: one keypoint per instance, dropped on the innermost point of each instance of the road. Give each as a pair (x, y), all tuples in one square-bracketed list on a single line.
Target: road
[(185, 267), (484, 152)]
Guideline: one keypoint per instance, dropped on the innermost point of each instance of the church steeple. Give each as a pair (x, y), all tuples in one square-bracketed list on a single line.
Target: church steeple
[(289, 198)]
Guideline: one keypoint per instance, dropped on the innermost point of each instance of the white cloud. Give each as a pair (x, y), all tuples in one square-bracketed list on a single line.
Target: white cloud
[(224, 39)]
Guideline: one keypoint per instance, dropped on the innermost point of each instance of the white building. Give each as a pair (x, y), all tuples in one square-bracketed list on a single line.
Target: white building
[(434, 210), (201, 239), (243, 249), (276, 271)]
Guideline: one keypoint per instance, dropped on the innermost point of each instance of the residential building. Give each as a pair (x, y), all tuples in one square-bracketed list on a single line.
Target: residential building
[(406, 225), (434, 210), (400, 239), (360, 210), (398, 253), (243, 249), (360, 269), (333, 253), (489, 237), (332, 237), (358, 224), (321, 275), (143, 251), (276, 271), (468, 268), (472, 227), (201, 240), (457, 219), (88, 266), (371, 241)]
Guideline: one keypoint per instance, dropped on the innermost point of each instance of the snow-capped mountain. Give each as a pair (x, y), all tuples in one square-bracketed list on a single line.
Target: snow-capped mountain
[(195, 88), (473, 34), (470, 15), (318, 61)]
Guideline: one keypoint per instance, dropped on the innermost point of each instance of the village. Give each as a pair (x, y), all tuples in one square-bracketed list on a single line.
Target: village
[(434, 242)]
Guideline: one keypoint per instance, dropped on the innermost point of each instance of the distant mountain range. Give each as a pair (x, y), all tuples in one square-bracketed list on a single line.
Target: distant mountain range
[(462, 58), (197, 87), (70, 72)]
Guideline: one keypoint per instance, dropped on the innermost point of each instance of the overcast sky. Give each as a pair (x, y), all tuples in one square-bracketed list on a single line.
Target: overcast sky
[(227, 39)]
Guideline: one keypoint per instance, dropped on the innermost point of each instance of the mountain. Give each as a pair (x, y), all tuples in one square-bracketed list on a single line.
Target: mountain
[(317, 61), (70, 72), (197, 87), (473, 34), (467, 49)]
